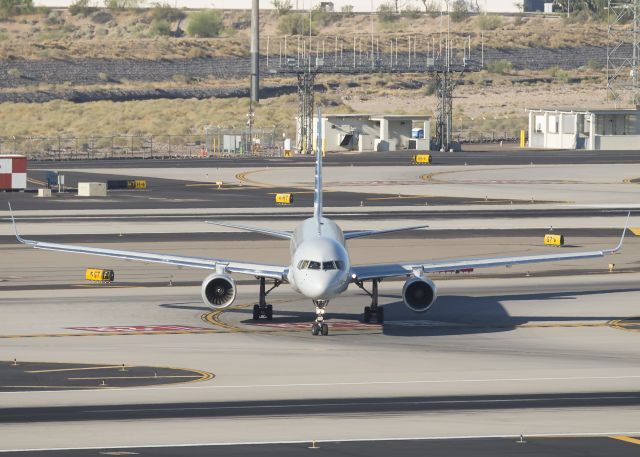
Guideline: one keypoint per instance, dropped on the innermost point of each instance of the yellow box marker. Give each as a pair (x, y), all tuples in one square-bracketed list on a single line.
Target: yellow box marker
[(422, 158), (635, 230), (98, 274), (284, 199), (551, 239), (136, 184)]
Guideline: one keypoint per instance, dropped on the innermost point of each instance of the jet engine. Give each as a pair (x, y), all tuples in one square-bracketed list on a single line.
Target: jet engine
[(218, 291), (419, 294)]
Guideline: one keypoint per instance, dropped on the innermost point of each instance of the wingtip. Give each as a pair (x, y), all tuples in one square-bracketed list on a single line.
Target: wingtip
[(624, 232), (13, 223)]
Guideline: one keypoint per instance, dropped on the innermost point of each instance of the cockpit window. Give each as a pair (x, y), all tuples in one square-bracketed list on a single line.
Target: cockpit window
[(313, 265)]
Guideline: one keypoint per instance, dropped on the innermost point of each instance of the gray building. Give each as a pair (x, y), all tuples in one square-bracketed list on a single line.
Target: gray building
[(594, 129), (367, 132)]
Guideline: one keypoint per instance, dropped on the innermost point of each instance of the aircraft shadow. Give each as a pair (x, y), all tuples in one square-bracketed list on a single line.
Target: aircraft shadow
[(187, 305), (462, 314)]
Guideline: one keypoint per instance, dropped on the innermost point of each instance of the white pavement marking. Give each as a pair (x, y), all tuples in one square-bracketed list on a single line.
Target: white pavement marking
[(341, 440), (337, 384)]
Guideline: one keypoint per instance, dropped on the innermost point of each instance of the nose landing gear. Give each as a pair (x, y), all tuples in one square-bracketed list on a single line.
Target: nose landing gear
[(319, 327), (262, 309), (373, 309)]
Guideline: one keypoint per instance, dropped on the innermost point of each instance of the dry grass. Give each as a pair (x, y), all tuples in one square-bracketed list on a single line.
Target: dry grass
[(155, 117), (478, 108), (128, 34)]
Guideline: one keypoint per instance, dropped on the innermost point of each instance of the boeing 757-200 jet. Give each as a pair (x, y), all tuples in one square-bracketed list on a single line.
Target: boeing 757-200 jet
[(320, 268)]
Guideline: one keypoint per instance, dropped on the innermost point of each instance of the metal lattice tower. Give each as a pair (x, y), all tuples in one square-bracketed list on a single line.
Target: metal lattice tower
[(623, 50), (305, 111), (444, 117)]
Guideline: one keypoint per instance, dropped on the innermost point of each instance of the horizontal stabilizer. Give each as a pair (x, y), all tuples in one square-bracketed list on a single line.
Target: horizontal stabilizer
[(264, 231), (362, 233)]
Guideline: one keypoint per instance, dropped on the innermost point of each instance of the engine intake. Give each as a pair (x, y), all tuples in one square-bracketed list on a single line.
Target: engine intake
[(419, 294), (218, 291)]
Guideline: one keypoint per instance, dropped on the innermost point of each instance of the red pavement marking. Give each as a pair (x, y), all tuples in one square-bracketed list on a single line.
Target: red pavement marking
[(332, 324), (140, 328)]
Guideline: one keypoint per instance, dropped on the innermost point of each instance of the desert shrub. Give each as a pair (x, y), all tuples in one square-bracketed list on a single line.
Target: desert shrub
[(282, 7), (102, 76), (101, 17), (558, 73), (485, 22), (123, 4), (295, 24), (387, 12), (323, 18), (347, 10), (82, 8), (412, 12), (14, 73), (204, 24), (431, 7), (500, 67), (10, 8), (54, 18), (165, 12), (594, 65), (160, 27), (459, 11)]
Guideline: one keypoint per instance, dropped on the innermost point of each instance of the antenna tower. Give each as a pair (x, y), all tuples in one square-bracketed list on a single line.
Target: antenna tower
[(623, 50)]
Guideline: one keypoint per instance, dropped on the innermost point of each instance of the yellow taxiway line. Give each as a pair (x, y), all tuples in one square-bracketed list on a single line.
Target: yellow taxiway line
[(628, 439)]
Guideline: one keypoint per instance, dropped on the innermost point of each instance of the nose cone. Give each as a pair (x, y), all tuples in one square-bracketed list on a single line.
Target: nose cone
[(317, 286)]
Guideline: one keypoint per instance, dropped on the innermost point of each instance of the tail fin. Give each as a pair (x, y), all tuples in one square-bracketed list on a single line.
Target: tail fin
[(317, 200)]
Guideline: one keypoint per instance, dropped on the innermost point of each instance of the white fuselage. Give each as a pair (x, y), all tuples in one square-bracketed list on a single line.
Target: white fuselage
[(320, 266)]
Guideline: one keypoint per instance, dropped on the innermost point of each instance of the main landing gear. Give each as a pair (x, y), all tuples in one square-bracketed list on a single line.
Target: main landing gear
[(262, 309), (319, 327), (374, 309)]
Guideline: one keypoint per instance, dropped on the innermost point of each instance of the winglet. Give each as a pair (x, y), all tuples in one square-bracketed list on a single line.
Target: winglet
[(15, 229), (624, 231)]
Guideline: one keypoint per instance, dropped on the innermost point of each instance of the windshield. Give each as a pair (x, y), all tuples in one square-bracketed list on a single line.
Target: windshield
[(313, 265)]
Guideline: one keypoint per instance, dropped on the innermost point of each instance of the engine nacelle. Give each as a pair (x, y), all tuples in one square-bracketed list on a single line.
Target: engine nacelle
[(419, 294), (218, 291)]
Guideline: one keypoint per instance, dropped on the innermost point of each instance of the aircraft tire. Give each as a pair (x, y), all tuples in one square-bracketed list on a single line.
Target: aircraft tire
[(367, 314), (380, 315), (324, 330), (269, 312), (315, 329), (256, 312)]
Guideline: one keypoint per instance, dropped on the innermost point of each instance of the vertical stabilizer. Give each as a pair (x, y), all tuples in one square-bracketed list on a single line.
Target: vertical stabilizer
[(317, 200)]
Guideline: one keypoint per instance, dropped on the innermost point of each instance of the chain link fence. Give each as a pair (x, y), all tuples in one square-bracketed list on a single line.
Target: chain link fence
[(215, 142)]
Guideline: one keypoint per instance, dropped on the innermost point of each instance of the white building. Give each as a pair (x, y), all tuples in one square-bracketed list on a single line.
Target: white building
[(369, 132), (595, 129)]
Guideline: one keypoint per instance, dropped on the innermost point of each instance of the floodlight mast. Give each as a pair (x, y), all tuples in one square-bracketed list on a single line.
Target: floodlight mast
[(255, 51)]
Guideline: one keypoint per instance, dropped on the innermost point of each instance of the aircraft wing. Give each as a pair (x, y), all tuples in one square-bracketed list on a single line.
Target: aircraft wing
[(362, 233), (380, 271), (230, 266)]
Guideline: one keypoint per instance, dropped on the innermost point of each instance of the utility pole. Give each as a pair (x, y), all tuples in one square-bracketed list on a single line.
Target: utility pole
[(255, 50)]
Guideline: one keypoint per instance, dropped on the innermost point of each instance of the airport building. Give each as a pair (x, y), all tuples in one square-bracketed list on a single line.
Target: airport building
[(593, 129), (378, 132)]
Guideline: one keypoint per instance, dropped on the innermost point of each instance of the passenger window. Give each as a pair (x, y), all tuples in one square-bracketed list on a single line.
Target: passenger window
[(314, 265), (328, 266)]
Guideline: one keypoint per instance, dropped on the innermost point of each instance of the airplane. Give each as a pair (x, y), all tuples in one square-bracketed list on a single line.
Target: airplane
[(320, 268)]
